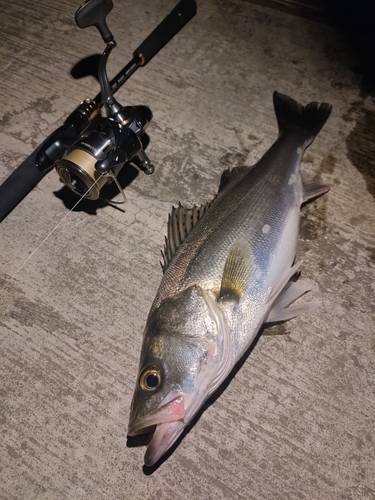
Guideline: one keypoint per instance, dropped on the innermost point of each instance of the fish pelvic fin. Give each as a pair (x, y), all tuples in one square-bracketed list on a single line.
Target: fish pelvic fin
[(180, 223), (236, 274), (281, 308), (309, 118), (284, 294)]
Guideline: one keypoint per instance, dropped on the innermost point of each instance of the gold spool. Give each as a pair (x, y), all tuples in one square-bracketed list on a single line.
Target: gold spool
[(82, 165)]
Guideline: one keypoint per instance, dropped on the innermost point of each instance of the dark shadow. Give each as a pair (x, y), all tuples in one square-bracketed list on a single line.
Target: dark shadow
[(125, 177), (360, 145), (141, 440), (88, 66), (144, 439), (355, 21)]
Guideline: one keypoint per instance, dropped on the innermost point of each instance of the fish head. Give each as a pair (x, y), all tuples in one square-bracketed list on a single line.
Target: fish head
[(179, 367)]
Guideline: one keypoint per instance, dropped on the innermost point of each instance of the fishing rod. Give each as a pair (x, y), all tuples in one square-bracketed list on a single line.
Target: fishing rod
[(90, 149)]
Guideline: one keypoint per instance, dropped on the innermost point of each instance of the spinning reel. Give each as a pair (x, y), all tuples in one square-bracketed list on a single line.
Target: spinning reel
[(90, 149), (111, 141)]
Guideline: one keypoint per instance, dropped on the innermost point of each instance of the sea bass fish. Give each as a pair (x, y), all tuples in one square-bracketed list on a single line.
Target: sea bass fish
[(227, 269)]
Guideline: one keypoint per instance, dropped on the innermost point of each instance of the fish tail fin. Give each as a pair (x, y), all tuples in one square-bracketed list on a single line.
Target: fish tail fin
[(291, 114)]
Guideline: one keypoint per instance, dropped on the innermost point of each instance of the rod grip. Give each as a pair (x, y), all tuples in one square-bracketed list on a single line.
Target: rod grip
[(184, 11), (19, 184)]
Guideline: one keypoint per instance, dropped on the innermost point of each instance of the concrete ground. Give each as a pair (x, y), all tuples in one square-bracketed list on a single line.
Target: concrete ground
[(297, 420)]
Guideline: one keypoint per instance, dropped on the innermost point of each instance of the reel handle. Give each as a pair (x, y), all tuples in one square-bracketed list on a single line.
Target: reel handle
[(184, 11), (94, 13)]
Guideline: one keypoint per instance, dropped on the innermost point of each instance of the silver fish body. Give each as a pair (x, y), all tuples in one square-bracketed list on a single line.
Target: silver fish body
[(227, 269)]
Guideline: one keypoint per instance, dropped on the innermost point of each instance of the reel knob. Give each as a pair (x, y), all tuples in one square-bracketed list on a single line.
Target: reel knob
[(94, 13)]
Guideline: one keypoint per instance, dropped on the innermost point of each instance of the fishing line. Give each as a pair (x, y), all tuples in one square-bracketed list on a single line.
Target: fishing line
[(49, 234)]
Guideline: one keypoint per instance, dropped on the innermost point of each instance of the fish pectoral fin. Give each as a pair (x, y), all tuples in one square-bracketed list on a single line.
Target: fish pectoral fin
[(236, 272), (180, 222), (312, 189), (281, 308)]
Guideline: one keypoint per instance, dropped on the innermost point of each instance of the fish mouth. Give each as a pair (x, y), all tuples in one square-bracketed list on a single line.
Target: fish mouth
[(166, 422)]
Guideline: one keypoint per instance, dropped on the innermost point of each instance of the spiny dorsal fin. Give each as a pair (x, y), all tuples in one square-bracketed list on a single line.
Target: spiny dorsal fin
[(236, 272), (230, 174), (180, 222)]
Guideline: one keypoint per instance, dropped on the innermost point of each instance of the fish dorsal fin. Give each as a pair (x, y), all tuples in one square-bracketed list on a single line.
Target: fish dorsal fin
[(236, 272), (230, 174), (180, 223)]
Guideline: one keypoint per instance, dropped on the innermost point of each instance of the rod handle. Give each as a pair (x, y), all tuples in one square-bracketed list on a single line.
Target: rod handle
[(19, 184)]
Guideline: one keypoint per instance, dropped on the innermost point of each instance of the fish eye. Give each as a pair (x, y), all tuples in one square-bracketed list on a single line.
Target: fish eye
[(150, 379)]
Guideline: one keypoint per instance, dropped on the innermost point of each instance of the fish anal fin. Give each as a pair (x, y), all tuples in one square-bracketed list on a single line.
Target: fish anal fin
[(180, 223), (312, 189), (236, 272)]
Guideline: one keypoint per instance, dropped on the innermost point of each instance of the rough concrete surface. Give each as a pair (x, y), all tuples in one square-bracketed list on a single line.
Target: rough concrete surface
[(297, 420)]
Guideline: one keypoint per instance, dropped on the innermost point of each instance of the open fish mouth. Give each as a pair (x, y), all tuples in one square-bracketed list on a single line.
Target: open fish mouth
[(167, 420)]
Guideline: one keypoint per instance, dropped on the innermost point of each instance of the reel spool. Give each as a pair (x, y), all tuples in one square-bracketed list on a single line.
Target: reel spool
[(77, 172), (77, 167)]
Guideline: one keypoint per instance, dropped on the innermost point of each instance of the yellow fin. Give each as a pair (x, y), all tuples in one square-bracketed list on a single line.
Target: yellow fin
[(236, 272)]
